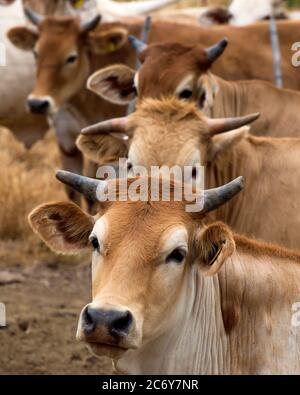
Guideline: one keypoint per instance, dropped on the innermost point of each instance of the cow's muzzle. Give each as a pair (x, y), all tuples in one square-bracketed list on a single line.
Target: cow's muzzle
[(41, 105), (107, 327), (37, 106), (116, 323)]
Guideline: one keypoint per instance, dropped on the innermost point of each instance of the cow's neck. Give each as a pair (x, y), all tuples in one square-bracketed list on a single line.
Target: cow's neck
[(259, 286), (236, 322), (244, 159), (231, 99), (195, 343), (235, 99)]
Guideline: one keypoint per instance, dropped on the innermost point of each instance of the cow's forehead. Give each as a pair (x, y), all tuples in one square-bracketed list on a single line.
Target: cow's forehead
[(165, 65), (60, 26), (57, 38), (175, 55), (166, 132), (137, 221)]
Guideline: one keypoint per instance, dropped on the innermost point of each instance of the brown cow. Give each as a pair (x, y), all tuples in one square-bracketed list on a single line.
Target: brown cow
[(184, 71), (172, 132), (56, 86), (17, 78), (173, 296)]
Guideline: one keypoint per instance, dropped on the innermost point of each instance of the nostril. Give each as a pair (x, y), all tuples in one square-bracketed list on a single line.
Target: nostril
[(120, 325), (88, 321), (38, 106)]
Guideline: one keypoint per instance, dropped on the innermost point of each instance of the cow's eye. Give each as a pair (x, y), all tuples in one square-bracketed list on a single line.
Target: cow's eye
[(176, 256), (185, 94), (95, 243), (71, 59)]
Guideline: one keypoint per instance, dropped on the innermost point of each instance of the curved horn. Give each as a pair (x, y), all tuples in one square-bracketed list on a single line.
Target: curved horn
[(87, 26), (137, 44), (214, 52), (214, 198), (117, 125), (222, 125), (89, 187), (34, 18)]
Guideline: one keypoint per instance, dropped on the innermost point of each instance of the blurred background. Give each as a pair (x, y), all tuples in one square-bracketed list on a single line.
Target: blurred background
[(197, 3)]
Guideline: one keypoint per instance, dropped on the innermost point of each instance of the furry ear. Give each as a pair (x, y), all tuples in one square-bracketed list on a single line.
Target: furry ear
[(225, 141), (23, 38), (108, 41), (102, 149), (114, 84), (64, 227), (215, 244)]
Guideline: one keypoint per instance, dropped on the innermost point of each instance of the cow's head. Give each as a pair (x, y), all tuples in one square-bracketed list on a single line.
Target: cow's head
[(63, 47), (142, 253), (168, 132), (168, 69)]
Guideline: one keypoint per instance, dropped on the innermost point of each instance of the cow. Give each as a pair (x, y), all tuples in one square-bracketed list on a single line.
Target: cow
[(17, 79), (112, 10), (172, 295), (243, 12), (184, 71), (20, 65), (171, 132), (205, 16), (17, 76)]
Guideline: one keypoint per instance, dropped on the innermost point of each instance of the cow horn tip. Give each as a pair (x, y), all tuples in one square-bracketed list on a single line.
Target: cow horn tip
[(240, 181), (224, 42), (131, 39), (88, 131), (61, 175)]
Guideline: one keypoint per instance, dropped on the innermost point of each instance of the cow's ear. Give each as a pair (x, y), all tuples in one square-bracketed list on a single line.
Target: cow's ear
[(102, 149), (214, 245), (64, 227), (23, 38), (114, 84), (109, 41), (223, 142)]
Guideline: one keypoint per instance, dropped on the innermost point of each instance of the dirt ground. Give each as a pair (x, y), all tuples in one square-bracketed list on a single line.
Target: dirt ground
[(43, 292), (43, 303)]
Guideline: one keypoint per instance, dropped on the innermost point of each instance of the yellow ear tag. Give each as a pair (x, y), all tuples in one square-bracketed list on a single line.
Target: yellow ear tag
[(216, 256), (110, 47), (79, 3)]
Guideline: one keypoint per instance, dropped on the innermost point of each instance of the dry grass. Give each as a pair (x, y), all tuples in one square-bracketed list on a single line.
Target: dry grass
[(27, 180)]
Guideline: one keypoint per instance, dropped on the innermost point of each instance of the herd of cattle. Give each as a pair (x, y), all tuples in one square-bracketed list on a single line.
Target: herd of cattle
[(209, 292)]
